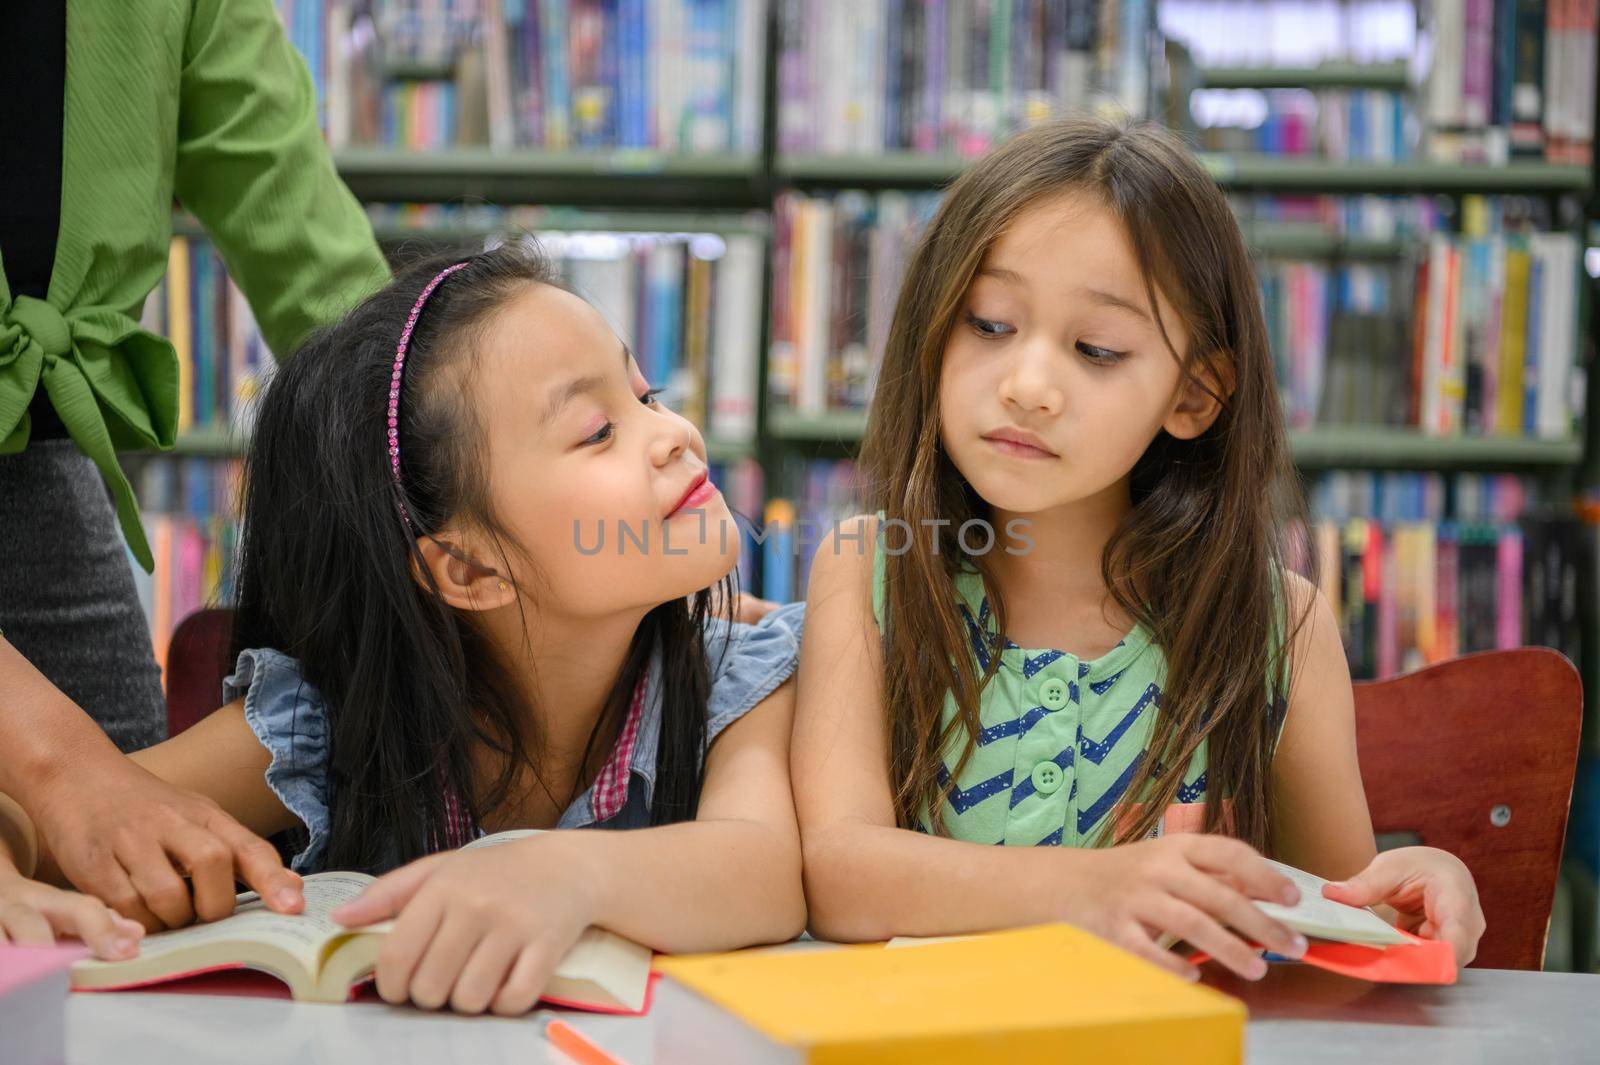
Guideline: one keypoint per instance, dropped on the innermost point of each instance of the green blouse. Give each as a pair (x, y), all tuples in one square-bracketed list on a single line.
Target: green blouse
[(208, 102), (1062, 737)]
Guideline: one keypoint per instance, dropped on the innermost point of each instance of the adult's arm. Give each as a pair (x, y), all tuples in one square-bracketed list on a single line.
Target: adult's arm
[(107, 822), (254, 169)]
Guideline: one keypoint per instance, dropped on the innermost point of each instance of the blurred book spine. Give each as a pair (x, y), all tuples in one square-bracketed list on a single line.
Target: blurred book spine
[(862, 77), (680, 77)]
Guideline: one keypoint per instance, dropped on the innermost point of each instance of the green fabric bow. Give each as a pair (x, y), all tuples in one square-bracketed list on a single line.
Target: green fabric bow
[(113, 384)]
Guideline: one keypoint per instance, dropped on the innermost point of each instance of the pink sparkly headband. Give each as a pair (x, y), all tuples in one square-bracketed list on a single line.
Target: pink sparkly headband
[(394, 380)]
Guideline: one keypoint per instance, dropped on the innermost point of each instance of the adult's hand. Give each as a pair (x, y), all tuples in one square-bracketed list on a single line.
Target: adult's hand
[(113, 828), (122, 834)]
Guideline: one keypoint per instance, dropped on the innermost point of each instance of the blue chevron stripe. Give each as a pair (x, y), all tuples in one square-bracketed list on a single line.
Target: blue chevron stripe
[(1025, 787), (1053, 839), (975, 636), (1031, 666), (1017, 726), (963, 801), (1279, 711), (1096, 752), (1191, 792), (1100, 687), (1088, 817), (978, 630)]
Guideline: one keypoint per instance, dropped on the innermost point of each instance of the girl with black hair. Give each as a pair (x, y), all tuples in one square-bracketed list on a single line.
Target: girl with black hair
[(484, 583)]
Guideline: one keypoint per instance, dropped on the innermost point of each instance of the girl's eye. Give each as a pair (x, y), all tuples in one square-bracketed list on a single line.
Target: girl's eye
[(1104, 356), (986, 328), (604, 432)]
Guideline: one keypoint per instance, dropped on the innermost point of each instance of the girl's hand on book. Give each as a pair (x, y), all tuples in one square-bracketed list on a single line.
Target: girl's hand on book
[(34, 914), (1430, 890), (1197, 888), (479, 929)]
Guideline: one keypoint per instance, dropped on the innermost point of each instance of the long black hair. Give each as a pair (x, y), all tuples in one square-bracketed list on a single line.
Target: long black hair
[(330, 574)]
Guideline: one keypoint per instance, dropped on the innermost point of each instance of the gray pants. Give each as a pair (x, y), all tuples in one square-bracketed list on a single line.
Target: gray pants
[(67, 598)]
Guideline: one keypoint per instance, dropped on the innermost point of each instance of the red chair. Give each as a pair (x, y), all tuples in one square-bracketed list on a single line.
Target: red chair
[(197, 660), (1476, 755)]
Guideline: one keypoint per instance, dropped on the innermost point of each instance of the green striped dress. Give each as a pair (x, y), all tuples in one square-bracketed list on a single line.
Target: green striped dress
[(1062, 737)]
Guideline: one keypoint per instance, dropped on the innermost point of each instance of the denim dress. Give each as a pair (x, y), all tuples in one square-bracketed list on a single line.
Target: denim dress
[(290, 718)]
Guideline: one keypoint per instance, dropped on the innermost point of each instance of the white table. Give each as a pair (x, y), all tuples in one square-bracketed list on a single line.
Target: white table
[(1297, 1015)]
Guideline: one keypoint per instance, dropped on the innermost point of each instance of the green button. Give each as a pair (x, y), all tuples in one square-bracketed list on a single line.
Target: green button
[(1047, 777), (1053, 694)]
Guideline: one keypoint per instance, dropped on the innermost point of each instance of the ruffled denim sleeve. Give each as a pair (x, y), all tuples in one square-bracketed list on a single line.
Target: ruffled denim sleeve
[(748, 662), (290, 719)]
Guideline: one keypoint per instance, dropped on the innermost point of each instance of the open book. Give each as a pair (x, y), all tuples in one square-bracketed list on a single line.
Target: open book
[(1355, 941), (1344, 939), (1317, 917), (322, 961)]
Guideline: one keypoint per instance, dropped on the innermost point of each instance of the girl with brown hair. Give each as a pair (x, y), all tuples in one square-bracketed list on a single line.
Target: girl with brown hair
[(1070, 623)]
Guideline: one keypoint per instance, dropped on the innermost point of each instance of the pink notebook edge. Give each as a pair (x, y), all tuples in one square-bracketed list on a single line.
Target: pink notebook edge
[(21, 966)]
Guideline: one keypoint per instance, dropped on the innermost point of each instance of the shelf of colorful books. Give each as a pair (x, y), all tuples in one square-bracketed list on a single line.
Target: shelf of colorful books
[(220, 442), (459, 225), (1276, 173), (886, 170), (210, 441), (607, 178), (1367, 447), (1291, 240), (1230, 170), (1324, 76), (1386, 447), (842, 426)]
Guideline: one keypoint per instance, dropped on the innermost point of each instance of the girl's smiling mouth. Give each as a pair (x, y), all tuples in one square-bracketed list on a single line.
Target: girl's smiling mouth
[(700, 491)]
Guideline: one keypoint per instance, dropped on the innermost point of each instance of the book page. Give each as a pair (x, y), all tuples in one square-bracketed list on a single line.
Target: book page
[(602, 968), (1324, 918), (510, 835), (300, 934)]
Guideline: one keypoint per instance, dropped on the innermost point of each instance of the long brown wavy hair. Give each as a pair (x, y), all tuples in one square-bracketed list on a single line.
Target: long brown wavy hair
[(1200, 558)]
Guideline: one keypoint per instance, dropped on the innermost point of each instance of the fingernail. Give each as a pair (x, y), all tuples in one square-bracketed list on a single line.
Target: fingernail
[(286, 897), (1192, 975), (1298, 946), (1338, 884), (125, 945), (1290, 895), (1258, 970)]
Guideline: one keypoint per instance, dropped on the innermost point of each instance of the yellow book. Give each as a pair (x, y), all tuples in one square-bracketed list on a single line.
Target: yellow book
[(697, 339), (1048, 994), (178, 327), (1513, 343)]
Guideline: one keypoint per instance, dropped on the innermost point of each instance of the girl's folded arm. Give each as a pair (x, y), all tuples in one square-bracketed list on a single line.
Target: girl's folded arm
[(219, 758), (731, 877), (1320, 818), (865, 878), (1320, 807)]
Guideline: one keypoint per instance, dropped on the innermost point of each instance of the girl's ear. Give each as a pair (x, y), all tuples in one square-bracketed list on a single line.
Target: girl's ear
[(1201, 396), (463, 583)]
